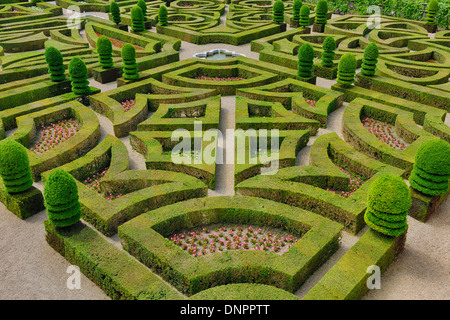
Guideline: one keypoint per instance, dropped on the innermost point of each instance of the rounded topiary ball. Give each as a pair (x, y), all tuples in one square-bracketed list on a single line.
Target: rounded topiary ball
[(431, 171), (61, 199), (388, 202), (79, 75), (328, 46), (104, 50), (14, 166), (304, 16), (346, 69), (370, 60), (54, 59), (305, 61), (321, 12)]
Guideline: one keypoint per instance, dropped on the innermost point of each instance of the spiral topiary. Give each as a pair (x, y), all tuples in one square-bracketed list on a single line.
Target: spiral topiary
[(388, 202), (54, 60), (137, 19), (14, 167), (115, 12), (141, 4), (79, 75), (431, 171), (304, 16), (278, 11), (328, 46), (370, 60), (162, 16), (61, 199), (104, 50), (130, 67), (432, 9), (296, 10), (346, 70), (305, 61), (321, 12)]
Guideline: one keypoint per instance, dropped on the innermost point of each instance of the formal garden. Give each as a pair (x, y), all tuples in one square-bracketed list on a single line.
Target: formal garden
[(225, 149)]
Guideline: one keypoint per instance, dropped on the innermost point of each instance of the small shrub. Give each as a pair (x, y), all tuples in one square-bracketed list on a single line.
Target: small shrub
[(328, 46), (431, 171), (305, 61), (304, 16), (278, 11), (296, 10), (321, 12), (115, 12), (79, 76), (162, 16), (137, 19), (104, 50), (388, 202), (61, 199), (370, 60), (346, 70), (54, 60), (432, 9), (130, 67), (14, 167)]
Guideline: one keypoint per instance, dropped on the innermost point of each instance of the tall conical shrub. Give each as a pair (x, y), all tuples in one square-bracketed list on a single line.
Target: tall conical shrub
[(61, 199), (278, 11), (432, 9), (54, 60), (370, 60), (304, 16), (130, 67), (141, 4), (328, 47), (296, 10), (346, 70), (305, 61), (137, 19), (431, 170), (388, 202), (321, 12), (115, 12), (162, 16), (79, 76), (14, 167), (104, 50)]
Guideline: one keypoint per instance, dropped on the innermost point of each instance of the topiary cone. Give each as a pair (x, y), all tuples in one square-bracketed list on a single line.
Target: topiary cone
[(278, 11), (296, 10), (141, 4), (346, 70), (431, 170), (162, 16), (137, 19), (115, 12), (54, 59), (370, 60), (14, 167), (61, 199), (104, 50), (304, 16), (130, 67), (388, 202), (321, 12), (305, 61), (328, 46), (79, 75), (432, 9)]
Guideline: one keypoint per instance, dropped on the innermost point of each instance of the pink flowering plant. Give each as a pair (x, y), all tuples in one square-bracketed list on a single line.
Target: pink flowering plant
[(93, 183), (218, 239), (354, 184), (119, 43), (55, 134), (128, 104), (384, 132), (202, 77), (311, 102)]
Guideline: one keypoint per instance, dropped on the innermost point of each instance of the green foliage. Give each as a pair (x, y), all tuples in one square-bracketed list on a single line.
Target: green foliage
[(115, 12), (61, 199), (346, 69), (130, 67), (54, 60), (296, 10), (328, 46), (370, 60), (321, 12), (432, 9), (137, 19), (431, 171), (305, 61), (388, 202), (104, 50), (278, 11), (78, 75), (141, 4), (162, 15), (304, 16), (14, 167)]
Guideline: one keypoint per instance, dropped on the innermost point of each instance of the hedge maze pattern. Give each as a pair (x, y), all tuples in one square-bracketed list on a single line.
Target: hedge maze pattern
[(409, 92)]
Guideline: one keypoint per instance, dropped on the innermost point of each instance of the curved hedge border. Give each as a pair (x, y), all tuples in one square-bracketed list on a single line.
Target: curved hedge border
[(244, 291)]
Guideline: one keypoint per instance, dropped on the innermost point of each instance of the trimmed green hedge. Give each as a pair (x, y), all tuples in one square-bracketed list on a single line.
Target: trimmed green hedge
[(244, 291)]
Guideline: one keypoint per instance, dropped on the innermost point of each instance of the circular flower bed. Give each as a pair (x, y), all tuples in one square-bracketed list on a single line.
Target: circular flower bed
[(223, 238), (384, 132), (54, 134), (93, 183)]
